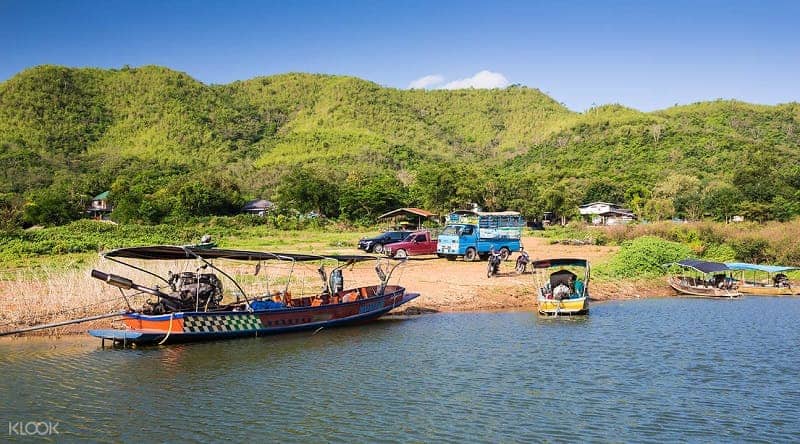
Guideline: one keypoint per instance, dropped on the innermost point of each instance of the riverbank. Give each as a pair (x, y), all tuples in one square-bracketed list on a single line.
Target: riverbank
[(448, 286), (445, 286)]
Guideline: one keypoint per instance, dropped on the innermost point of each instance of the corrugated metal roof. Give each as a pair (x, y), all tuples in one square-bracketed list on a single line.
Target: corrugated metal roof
[(258, 204), (410, 210)]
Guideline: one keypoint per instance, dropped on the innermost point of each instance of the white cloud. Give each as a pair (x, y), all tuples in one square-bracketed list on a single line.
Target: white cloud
[(426, 82), (482, 80)]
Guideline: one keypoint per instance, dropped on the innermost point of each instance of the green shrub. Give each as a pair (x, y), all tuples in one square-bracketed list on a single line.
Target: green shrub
[(643, 257), (575, 231), (720, 253), (752, 249)]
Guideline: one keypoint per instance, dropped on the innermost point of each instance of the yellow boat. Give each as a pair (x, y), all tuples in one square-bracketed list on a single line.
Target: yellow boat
[(562, 292), (775, 284)]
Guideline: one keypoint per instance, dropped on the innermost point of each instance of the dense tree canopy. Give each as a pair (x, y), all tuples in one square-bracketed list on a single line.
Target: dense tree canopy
[(170, 147)]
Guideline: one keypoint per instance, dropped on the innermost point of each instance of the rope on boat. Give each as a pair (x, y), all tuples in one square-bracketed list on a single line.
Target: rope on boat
[(62, 323), (402, 271), (171, 316)]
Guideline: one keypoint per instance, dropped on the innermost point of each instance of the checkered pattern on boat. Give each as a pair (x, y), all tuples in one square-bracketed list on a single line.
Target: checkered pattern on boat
[(214, 323)]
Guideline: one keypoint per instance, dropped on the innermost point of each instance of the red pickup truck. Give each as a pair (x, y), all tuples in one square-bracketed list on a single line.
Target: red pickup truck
[(418, 242)]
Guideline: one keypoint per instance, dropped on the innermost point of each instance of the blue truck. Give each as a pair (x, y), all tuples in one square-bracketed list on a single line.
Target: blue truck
[(474, 234)]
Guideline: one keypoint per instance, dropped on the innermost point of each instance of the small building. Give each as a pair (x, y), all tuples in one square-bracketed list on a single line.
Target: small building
[(258, 207), (100, 208), (604, 213), (407, 218)]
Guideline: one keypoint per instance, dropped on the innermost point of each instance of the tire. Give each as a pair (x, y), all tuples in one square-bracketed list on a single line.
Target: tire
[(471, 254), (489, 271), (504, 254), (400, 254), (520, 268), (377, 248)]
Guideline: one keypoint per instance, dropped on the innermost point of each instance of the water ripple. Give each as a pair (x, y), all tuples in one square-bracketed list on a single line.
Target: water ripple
[(645, 371)]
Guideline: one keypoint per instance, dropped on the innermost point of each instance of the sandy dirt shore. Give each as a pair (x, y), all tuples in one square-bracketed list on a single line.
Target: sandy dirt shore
[(463, 286), (449, 286)]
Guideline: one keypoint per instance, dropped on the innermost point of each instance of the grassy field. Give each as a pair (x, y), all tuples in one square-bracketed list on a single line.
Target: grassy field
[(74, 245)]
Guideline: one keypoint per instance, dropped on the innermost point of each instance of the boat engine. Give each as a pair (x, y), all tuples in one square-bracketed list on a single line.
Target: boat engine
[(190, 291)]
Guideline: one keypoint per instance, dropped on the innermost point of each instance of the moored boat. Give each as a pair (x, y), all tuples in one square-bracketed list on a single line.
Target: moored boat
[(561, 292), (766, 280), (703, 279), (190, 306)]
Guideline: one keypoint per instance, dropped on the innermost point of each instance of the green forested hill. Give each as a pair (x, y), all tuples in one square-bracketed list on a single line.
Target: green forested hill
[(169, 147)]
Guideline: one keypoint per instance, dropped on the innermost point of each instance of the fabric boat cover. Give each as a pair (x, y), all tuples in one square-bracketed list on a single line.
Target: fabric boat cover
[(704, 266), (756, 267), (561, 262), (171, 252)]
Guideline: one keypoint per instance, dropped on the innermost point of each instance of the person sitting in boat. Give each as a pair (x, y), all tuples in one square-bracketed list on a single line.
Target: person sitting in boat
[(781, 280), (561, 291), (578, 286), (718, 281)]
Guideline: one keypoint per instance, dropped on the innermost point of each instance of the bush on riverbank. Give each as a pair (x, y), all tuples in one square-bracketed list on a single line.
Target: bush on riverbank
[(643, 257)]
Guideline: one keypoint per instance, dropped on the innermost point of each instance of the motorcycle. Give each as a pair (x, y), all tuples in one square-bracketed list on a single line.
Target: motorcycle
[(494, 264), (522, 262)]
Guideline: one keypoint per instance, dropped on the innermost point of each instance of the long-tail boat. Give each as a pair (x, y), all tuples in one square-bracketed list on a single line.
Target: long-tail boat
[(699, 278), (188, 306), (775, 284), (561, 292)]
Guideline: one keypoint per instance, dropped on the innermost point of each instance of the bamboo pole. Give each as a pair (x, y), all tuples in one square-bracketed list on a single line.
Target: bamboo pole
[(62, 323)]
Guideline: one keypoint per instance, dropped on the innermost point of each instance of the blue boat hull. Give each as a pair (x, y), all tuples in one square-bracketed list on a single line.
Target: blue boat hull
[(206, 326)]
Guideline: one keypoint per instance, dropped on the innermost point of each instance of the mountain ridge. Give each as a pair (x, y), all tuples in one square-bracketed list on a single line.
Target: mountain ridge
[(95, 125)]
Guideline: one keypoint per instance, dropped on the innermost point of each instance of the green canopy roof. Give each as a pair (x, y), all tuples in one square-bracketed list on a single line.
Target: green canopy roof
[(101, 196)]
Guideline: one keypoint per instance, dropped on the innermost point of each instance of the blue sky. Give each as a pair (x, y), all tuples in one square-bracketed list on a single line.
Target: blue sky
[(643, 54)]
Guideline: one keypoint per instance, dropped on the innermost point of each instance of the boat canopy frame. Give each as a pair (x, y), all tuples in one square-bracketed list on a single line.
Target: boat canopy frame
[(205, 255), (704, 267), (770, 269), (561, 264)]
